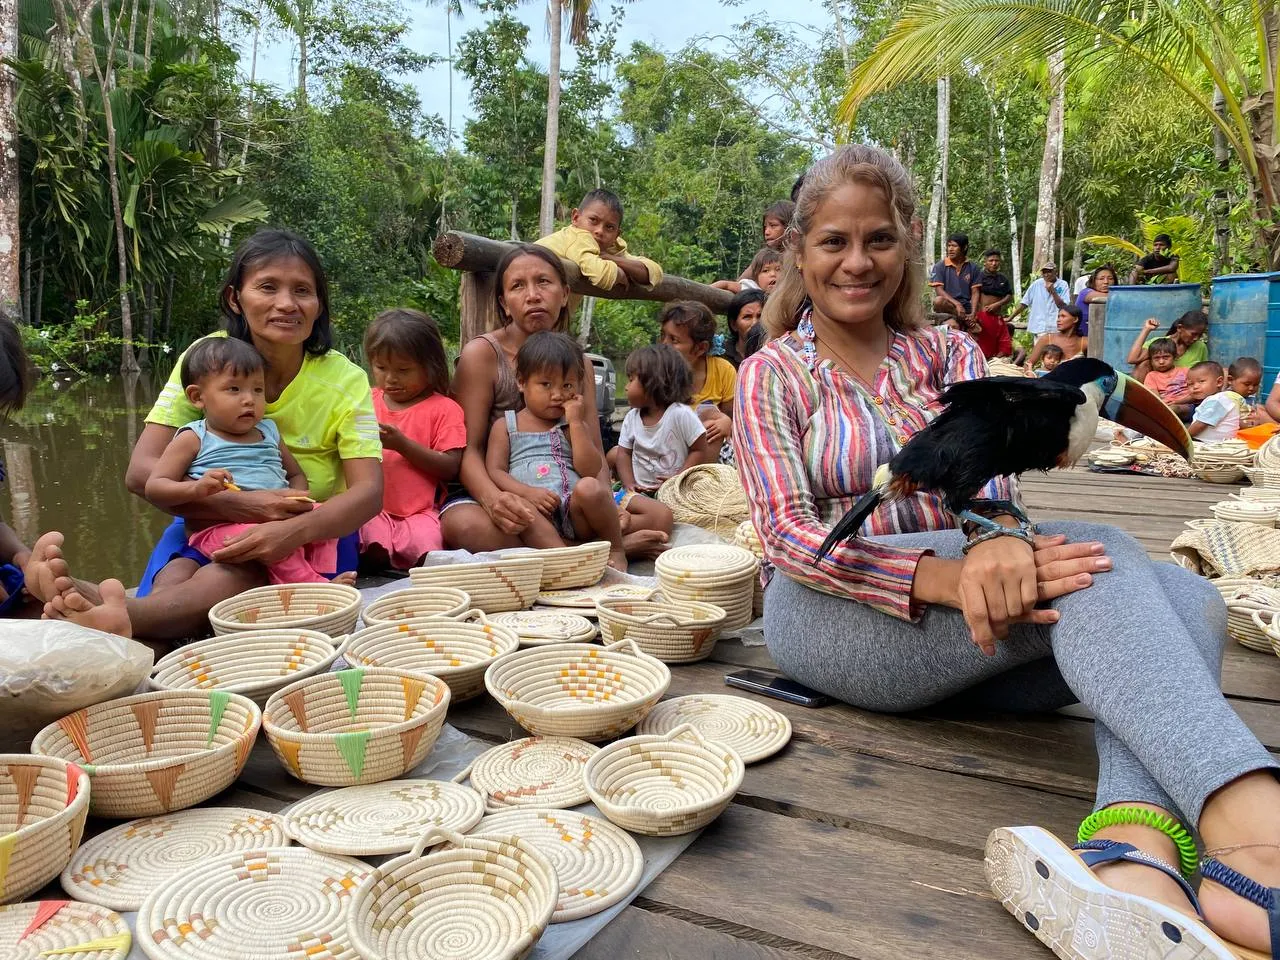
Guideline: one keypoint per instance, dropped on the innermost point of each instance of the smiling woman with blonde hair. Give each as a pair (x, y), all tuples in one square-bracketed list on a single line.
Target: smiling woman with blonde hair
[(914, 613)]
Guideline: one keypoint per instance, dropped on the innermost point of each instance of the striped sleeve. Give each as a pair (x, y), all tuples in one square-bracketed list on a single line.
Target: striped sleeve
[(770, 455), (965, 361)]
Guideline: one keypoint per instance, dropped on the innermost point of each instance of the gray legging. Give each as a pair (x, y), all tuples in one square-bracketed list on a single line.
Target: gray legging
[(1141, 648)]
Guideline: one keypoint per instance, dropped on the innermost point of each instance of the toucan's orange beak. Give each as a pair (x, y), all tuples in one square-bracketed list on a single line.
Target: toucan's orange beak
[(1134, 406)]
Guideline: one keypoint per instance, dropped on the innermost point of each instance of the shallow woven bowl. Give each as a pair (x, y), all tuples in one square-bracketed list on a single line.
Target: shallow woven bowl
[(1267, 478), (578, 689), (664, 785), (457, 651), (474, 898), (1218, 473), (255, 663), (673, 631), (43, 805), (1266, 621), (495, 586), (1259, 494), (433, 601), (568, 568), (538, 627), (356, 726), (330, 608), (155, 752), (1244, 511)]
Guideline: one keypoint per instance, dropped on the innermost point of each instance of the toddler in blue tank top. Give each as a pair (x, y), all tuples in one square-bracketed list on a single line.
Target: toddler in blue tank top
[(233, 448)]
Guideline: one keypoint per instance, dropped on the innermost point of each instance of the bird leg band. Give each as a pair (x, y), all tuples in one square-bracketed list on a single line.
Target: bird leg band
[(980, 528)]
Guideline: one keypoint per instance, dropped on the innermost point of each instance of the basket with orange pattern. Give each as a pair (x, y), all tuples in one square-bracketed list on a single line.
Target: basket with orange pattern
[(43, 805), (328, 608)]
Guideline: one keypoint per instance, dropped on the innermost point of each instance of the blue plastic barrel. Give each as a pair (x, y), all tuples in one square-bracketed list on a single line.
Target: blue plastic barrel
[(1243, 312), (1129, 307)]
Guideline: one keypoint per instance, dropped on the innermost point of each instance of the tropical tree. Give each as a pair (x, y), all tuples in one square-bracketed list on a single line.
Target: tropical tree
[(1185, 49)]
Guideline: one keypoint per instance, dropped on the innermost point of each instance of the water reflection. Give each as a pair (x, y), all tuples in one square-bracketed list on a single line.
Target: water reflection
[(65, 454)]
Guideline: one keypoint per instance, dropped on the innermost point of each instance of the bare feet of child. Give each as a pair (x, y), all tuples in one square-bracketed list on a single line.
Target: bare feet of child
[(618, 559), (347, 579), (45, 566), (644, 544), (105, 610)]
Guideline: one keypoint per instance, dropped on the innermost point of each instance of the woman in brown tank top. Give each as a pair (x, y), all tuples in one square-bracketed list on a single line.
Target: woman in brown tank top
[(532, 295)]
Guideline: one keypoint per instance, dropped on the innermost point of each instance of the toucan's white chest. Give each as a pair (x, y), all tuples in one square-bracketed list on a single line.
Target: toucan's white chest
[(1084, 423)]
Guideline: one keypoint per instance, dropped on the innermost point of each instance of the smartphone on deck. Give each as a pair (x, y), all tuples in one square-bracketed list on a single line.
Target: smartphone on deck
[(772, 685)]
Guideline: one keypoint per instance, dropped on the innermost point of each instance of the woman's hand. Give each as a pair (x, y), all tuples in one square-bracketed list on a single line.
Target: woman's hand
[(266, 543), (509, 513), (996, 587), (1063, 568), (262, 506)]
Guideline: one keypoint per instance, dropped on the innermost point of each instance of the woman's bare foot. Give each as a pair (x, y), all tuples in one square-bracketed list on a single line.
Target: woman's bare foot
[(110, 614), (347, 579), (1234, 918), (618, 559), (45, 566), (644, 544), (1136, 877)]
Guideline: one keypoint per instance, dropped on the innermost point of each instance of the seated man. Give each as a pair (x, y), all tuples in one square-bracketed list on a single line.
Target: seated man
[(591, 241), (1160, 265), (955, 280)]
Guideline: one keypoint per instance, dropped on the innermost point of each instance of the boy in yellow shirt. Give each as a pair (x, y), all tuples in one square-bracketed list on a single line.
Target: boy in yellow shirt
[(591, 241)]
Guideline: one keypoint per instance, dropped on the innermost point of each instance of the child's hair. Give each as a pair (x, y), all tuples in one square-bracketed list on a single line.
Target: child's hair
[(264, 247), (412, 334), (1211, 367), (740, 300), (764, 256), (1192, 320), (1163, 345), (606, 197), (15, 368), (781, 210), (797, 187), (663, 374), (695, 317), (214, 355), (1052, 350), (549, 350), (1243, 366)]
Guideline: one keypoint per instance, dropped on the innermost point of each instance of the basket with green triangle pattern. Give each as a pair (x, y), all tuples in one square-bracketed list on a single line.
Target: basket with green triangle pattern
[(155, 752), (355, 726)]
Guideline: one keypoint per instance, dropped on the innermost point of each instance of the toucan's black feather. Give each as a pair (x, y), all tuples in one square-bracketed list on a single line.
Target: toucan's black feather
[(849, 525)]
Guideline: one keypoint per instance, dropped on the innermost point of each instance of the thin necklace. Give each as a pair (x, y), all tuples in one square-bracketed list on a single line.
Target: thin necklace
[(850, 368)]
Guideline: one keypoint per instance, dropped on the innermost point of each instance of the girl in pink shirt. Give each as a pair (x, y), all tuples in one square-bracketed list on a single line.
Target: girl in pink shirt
[(422, 433)]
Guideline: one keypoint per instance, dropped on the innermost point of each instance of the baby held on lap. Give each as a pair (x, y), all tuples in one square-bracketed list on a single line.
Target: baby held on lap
[(233, 448)]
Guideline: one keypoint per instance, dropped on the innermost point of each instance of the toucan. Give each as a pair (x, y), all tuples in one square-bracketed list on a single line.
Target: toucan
[(1004, 426)]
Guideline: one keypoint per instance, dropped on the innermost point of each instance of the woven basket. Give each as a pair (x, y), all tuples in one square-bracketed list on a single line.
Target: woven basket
[(475, 898), (578, 689), (538, 627), (43, 805), (120, 867), (1266, 478), (1222, 549), (495, 586), (417, 602), (674, 631), (1242, 604), (1259, 494), (255, 663), (53, 928), (1265, 620), (596, 863), (1268, 455), (457, 651), (664, 785), (355, 726), (155, 752), (751, 729), (1219, 473), (1245, 511), (708, 496), (586, 598), (566, 568), (272, 904), (714, 573), (330, 608), (535, 771), (381, 818)]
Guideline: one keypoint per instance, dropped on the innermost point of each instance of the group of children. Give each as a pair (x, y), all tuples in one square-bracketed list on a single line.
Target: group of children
[(680, 395)]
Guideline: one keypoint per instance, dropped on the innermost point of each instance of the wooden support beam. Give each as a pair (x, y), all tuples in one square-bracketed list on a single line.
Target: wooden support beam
[(465, 251)]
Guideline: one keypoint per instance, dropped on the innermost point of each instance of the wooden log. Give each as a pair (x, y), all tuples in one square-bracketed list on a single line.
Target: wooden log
[(465, 251), (477, 312), (1097, 327)]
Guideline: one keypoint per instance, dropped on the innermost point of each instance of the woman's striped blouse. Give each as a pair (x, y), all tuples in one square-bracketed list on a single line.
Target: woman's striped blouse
[(808, 439)]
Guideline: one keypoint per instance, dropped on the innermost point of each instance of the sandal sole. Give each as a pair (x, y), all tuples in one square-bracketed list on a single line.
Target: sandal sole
[(1055, 896)]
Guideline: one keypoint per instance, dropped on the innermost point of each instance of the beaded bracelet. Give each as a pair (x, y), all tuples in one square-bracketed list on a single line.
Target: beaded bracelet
[(1122, 816), (1024, 534)]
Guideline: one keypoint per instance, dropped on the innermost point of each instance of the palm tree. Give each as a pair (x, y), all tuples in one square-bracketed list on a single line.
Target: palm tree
[(452, 8), (297, 16), (579, 22), (1188, 47)]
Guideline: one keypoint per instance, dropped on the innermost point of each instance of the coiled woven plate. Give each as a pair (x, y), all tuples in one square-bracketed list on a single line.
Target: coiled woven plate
[(380, 818), (82, 931), (587, 597), (535, 627), (753, 730), (279, 904), (533, 772), (596, 863), (117, 869)]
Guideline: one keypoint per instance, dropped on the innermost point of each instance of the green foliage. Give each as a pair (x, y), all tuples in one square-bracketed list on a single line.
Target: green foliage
[(81, 346)]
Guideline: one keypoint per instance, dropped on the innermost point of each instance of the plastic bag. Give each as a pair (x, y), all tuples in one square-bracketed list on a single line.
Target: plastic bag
[(49, 668)]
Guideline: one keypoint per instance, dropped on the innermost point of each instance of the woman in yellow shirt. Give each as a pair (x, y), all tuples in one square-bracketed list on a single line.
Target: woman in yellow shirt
[(276, 298), (690, 327)]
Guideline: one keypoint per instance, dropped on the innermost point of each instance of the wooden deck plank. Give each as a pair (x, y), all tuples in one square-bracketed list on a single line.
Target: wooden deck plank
[(649, 935)]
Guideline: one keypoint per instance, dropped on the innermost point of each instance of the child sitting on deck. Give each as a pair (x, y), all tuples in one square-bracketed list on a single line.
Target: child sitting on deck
[(591, 241), (233, 448), (423, 435), (546, 454), (1217, 413), (661, 435)]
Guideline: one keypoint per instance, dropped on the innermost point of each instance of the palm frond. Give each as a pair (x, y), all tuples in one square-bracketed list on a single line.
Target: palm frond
[(231, 211), (1106, 240)]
